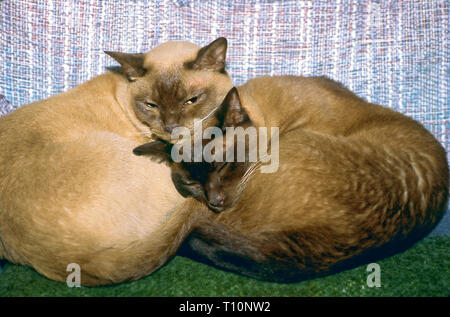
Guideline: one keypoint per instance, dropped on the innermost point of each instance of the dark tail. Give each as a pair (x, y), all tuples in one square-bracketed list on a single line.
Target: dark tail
[(257, 257), (214, 244)]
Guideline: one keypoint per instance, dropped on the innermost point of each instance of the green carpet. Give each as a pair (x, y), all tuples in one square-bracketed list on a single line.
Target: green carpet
[(423, 270)]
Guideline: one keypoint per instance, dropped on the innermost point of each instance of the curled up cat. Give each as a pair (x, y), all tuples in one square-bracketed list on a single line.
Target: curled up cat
[(356, 182), (71, 190)]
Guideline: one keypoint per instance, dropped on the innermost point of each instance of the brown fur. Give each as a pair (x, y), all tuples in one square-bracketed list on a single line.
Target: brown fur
[(356, 182), (168, 94), (71, 191)]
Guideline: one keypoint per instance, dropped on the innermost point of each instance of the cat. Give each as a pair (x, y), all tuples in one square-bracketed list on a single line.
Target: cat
[(71, 191), (357, 182)]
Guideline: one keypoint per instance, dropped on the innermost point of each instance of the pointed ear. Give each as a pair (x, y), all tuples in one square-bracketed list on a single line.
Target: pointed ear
[(132, 64), (232, 114), (157, 150), (211, 57)]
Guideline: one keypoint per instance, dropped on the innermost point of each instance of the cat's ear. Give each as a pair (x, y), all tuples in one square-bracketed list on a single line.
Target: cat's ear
[(211, 57), (132, 64), (157, 150), (231, 113)]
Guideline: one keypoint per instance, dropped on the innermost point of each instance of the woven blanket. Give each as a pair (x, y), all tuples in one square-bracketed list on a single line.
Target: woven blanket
[(394, 53)]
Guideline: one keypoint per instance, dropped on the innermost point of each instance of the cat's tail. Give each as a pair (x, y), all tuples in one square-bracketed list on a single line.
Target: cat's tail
[(220, 246)]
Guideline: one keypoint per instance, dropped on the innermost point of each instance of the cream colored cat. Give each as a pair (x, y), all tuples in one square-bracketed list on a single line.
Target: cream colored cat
[(71, 190)]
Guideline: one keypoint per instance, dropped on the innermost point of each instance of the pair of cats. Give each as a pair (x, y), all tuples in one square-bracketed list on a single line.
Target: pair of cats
[(356, 181)]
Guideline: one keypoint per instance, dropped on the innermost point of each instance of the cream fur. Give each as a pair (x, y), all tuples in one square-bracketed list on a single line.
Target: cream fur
[(71, 190), (169, 54)]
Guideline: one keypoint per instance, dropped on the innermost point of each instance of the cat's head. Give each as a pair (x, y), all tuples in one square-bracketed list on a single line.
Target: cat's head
[(217, 184), (175, 83), (226, 179)]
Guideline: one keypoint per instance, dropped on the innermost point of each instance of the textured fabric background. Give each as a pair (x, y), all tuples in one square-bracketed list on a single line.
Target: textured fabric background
[(394, 53)]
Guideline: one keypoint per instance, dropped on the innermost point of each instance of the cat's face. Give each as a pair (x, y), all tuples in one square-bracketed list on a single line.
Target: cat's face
[(224, 184), (225, 181), (176, 83)]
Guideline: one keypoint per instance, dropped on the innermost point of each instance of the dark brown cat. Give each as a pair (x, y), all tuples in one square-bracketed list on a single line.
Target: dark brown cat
[(356, 182)]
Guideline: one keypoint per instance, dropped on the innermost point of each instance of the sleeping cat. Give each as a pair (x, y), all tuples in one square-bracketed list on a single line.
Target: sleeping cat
[(168, 94), (71, 191), (356, 182)]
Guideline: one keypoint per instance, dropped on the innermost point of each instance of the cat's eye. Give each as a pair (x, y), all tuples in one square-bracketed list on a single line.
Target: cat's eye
[(191, 101), (151, 105)]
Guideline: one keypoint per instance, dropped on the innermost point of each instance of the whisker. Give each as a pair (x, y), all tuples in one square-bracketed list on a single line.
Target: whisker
[(148, 132), (207, 116), (247, 175)]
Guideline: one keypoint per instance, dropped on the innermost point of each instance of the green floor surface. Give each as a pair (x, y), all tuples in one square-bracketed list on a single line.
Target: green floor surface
[(423, 270)]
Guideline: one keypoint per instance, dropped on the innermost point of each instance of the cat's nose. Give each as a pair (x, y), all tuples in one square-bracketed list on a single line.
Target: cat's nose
[(218, 200), (169, 128)]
